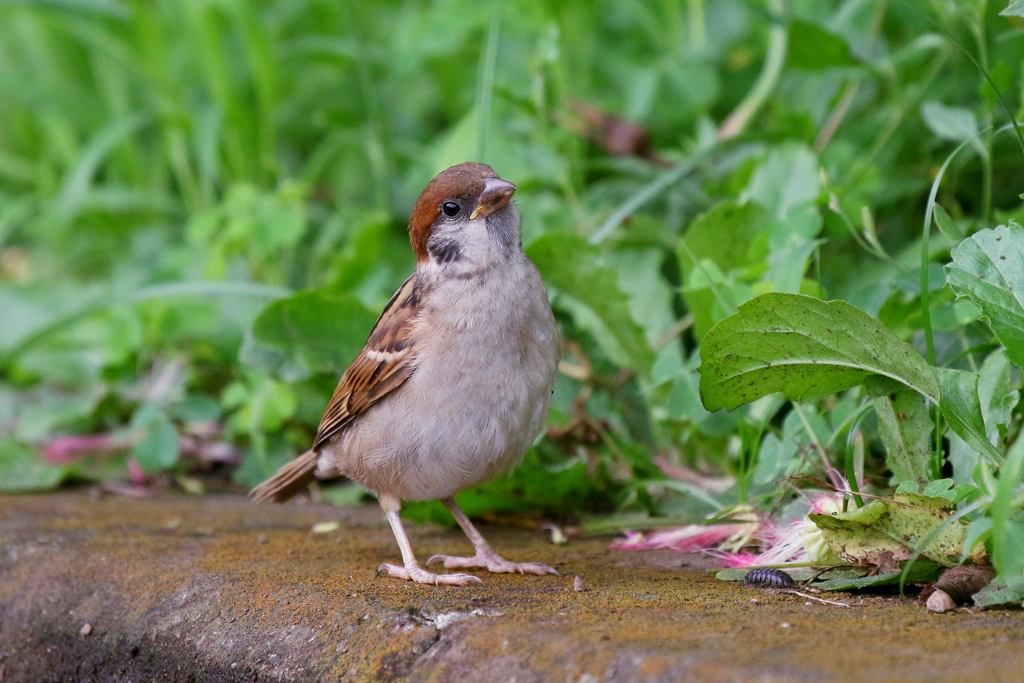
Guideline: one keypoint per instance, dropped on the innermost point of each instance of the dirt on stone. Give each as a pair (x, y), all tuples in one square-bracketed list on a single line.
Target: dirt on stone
[(214, 588)]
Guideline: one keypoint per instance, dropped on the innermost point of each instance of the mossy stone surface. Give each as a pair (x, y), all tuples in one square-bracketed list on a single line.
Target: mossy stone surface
[(215, 588)]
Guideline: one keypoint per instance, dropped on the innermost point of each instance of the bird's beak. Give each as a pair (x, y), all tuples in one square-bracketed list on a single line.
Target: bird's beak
[(496, 194)]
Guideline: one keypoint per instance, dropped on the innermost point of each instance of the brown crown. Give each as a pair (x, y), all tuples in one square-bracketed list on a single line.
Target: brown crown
[(465, 181)]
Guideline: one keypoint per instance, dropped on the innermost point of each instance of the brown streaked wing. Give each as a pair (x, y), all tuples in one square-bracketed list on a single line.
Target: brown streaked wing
[(384, 363)]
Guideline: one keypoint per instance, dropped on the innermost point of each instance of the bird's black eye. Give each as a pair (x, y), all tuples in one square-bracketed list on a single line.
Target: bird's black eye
[(450, 208)]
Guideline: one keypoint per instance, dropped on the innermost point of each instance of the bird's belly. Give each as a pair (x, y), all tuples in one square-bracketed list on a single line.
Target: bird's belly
[(458, 422)]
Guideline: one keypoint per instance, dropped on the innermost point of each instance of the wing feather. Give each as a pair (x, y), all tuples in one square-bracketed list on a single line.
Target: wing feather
[(387, 360)]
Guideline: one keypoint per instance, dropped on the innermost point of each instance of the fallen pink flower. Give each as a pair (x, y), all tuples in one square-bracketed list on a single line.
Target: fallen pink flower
[(735, 560), (136, 475), (67, 449), (688, 539)]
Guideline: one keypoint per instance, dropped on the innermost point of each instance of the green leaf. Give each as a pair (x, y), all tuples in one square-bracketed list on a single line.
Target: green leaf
[(158, 450), (1014, 9), (725, 236), (1004, 590), (788, 180), (920, 572), (988, 268), (906, 428), (787, 266), (947, 225), (962, 409), (268, 407), (951, 123), (813, 48), (774, 458), (569, 264), (997, 400), (1007, 528), (22, 471), (318, 331), (887, 531), (804, 348)]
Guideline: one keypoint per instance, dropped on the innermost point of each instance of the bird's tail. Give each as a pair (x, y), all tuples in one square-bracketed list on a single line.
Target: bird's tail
[(289, 480)]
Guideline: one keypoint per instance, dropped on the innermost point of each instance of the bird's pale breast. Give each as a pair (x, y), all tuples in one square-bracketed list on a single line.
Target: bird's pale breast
[(478, 397)]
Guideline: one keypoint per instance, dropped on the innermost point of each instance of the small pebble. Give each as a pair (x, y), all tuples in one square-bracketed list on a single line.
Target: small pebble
[(940, 602), (577, 584), (784, 624), (85, 630)]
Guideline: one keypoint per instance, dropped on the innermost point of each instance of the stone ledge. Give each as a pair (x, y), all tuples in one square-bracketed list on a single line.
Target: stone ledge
[(217, 589)]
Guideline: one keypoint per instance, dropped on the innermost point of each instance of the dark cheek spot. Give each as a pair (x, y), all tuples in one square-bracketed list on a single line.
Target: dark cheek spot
[(444, 251)]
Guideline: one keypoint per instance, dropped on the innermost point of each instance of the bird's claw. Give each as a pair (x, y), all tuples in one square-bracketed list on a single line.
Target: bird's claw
[(494, 563), (420, 575)]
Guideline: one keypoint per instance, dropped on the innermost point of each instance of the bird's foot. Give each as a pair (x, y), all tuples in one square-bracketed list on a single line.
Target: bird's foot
[(495, 563), (420, 575)]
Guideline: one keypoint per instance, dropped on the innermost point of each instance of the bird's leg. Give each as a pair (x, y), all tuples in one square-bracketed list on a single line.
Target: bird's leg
[(411, 569), (484, 556)]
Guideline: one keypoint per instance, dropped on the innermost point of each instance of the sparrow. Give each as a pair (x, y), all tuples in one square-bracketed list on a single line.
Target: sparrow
[(455, 380)]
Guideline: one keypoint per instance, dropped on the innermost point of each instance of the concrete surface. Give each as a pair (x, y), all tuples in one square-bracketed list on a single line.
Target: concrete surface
[(215, 588)]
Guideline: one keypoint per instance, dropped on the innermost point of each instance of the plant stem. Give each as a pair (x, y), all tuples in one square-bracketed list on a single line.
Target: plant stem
[(485, 82), (696, 25), (837, 115), (830, 471), (649, 192), (778, 36)]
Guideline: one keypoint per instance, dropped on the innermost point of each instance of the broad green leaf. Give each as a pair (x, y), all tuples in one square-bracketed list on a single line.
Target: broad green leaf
[(951, 123), (947, 225), (319, 331), (1007, 529), (363, 252), (158, 450), (650, 296), (1004, 590), (774, 458), (269, 360), (978, 530), (1014, 9), (887, 531), (787, 266), (906, 428), (997, 400), (714, 302), (988, 268), (962, 409), (196, 408), (720, 241), (268, 407), (22, 471), (569, 264), (725, 233), (813, 48), (939, 488), (804, 348), (920, 572), (787, 180)]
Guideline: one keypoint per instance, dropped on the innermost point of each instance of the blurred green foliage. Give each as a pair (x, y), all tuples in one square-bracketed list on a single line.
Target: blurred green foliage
[(203, 207)]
